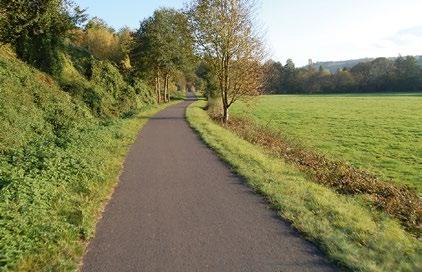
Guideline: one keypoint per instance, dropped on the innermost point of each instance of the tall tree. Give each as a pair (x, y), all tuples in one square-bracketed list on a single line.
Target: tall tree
[(101, 41), (409, 73), (227, 39), (163, 44), (37, 28), (126, 43), (273, 77), (290, 77)]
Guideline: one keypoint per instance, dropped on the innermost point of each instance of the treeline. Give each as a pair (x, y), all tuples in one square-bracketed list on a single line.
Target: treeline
[(210, 45), (403, 74), (114, 72)]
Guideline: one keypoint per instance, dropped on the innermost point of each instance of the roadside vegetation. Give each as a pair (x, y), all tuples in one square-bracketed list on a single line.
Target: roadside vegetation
[(57, 168), (347, 228), (73, 96), (74, 92), (398, 201)]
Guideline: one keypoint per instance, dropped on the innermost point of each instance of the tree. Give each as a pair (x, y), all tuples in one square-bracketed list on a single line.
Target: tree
[(409, 74), (163, 45), (101, 41), (382, 73), (362, 73), (126, 43), (290, 78), (204, 72), (273, 77), (227, 40), (37, 28), (344, 81)]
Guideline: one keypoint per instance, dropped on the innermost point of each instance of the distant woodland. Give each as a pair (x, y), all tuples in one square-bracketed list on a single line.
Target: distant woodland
[(402, 74)]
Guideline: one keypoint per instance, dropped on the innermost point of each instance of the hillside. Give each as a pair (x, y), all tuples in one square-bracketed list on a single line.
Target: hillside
[(24, 91), (333, 66), (60, 154)]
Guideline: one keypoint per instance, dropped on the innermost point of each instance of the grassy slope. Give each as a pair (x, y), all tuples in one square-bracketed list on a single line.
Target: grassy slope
[(349, 231), (380, 133), (58, 166)]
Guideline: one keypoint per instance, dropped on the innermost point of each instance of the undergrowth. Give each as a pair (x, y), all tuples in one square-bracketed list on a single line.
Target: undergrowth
[(52, 195), (62, 143)]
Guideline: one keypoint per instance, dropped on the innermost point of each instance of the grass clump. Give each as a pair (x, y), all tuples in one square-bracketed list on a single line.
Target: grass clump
[(345, 227)]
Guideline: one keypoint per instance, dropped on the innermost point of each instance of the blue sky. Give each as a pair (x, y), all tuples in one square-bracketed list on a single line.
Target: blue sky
[(320, 30)]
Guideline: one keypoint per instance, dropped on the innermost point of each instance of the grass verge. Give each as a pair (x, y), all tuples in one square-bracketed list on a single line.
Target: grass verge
[(378, 132), (396, 200), (347, 228), (53, 195)]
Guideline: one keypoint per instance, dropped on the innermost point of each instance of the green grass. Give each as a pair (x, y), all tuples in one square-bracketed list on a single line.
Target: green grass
[(52, 196), (58, 163), (346, 228), (381, 133)]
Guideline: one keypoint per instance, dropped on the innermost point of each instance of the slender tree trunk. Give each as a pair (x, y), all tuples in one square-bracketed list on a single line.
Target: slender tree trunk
[(223, 100), (225, 85), (158, 88), (167, 87), (225, 114)]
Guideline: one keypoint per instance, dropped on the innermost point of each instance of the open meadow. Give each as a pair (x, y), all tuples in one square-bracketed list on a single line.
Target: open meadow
[(380, 133)]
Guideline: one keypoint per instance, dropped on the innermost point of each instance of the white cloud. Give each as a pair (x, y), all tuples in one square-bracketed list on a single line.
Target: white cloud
[(407, 42)]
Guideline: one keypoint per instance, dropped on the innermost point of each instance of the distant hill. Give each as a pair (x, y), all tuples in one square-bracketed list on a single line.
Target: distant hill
[(333, 66)]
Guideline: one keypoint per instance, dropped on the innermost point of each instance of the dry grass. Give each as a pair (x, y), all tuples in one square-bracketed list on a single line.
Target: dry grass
[(397, 201)]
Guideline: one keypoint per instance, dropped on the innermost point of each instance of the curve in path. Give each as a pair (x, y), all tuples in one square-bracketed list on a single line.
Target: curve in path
[(178, 207)]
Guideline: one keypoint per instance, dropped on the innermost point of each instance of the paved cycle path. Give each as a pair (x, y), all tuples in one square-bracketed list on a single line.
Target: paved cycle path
[(178, 207)]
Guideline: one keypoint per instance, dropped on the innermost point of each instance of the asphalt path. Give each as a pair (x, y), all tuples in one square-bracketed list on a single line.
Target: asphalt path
[(178, 207)]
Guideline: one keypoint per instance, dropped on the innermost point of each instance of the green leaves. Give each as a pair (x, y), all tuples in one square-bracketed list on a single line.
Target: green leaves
[(164, 42), (37, 28)]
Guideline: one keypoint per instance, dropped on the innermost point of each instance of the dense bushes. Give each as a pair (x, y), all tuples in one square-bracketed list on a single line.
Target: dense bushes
[(32, 106), (101, 86), (37, 29), (58, 161)]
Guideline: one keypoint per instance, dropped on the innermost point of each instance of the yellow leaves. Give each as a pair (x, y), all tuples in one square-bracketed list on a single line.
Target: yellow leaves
[(102, 43)]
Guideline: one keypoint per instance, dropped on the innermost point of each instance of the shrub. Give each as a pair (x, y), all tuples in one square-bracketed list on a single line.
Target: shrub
[(24, 92)]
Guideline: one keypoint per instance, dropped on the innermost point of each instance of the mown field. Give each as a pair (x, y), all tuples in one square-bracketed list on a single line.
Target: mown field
[(380, 133)]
